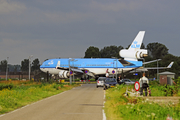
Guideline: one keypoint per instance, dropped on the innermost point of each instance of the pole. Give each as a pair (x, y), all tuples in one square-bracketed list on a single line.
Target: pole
[(144, 64), (47, 76), (122, 74), (113, 69), (157, 69), (30, 66), (73, 72), (116, 68), (69, 73), (7, 68)]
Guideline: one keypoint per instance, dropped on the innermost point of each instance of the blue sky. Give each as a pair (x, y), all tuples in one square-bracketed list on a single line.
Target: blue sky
[(66, 28)]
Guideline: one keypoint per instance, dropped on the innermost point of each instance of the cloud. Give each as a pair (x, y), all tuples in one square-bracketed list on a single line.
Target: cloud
[(121, 6), (64, 17), (8, 6), (66, 28)]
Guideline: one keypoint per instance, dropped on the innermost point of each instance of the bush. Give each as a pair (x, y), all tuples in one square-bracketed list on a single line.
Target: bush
[(4, 86)]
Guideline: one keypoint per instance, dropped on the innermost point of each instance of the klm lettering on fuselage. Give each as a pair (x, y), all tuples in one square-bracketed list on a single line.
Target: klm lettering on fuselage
[(51, 62), (135, 45)]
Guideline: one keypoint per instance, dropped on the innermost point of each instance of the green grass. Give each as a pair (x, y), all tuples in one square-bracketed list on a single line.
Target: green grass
[(120, 107), (23, 94)]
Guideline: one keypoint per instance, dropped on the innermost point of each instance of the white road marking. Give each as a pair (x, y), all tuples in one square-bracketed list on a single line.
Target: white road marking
[(104, 115)]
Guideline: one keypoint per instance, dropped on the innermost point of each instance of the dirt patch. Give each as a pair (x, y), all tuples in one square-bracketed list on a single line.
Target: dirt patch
[(173, 100), (67, 86)]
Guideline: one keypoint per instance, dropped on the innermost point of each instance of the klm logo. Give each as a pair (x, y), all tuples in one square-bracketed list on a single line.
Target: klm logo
[(51, 62), (135, 45)]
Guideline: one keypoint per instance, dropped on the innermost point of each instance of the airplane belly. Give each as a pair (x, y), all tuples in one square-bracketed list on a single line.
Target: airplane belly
[(101, 71), (51, 70)]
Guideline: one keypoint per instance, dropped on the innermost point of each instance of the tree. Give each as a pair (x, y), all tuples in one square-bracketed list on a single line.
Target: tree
[(157, 50), (35, 65), (3, 65), (25, 65), (142, 46), (110, 51), (92, 52), (14, 68), (17, 68)]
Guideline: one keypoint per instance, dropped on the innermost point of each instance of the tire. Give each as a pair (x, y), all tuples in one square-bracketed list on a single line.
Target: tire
[(97, 86)]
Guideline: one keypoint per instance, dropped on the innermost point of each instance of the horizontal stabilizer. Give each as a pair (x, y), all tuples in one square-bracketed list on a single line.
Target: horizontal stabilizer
[(151, 61)]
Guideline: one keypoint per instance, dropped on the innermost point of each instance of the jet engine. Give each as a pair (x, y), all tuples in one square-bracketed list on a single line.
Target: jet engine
[(131, 54), (64, 74)]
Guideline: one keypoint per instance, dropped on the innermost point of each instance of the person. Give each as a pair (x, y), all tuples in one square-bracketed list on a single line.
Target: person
[(143, 84), (119, 79), (107, 73)]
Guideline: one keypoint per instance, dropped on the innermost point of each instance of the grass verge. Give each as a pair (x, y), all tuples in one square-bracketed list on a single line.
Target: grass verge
[(21, 94), (120, 107)]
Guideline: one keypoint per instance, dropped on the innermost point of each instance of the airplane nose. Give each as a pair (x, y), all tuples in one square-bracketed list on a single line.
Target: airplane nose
[(42, 69)]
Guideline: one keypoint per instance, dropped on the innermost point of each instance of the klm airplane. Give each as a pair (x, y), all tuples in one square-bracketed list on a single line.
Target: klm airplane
[(99, 66)]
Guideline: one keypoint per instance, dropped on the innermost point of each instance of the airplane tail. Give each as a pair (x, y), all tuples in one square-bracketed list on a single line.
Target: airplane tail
[(134, 52), (136, 44)]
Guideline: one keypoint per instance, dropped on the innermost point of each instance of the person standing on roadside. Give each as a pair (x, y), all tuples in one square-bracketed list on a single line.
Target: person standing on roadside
[(107, 73), (143, 84)]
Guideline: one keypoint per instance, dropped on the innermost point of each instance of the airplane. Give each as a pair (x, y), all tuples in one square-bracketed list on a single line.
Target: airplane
[(94, 67)]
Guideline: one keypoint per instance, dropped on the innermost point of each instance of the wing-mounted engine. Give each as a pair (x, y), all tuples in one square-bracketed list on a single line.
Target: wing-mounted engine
[(133, 55), (64, 74)]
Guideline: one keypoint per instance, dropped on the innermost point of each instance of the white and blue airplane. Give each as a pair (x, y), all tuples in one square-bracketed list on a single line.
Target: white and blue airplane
[(98, 66)]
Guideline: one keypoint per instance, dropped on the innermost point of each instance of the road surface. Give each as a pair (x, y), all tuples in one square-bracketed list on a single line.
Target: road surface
[(80, 103)]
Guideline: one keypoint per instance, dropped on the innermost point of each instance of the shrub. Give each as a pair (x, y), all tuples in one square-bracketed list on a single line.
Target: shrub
[(4, 86)]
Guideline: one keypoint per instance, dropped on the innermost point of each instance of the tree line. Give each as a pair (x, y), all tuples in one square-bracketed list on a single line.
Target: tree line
[(24, 67)]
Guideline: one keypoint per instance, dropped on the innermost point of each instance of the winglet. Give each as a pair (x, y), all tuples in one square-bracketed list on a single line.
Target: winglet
[(136, 44), (170, 65)]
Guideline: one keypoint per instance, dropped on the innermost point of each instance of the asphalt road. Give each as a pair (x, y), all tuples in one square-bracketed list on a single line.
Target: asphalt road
[(80, 103)]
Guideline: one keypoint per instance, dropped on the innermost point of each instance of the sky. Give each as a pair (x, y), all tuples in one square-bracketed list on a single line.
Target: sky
[(66, 28)]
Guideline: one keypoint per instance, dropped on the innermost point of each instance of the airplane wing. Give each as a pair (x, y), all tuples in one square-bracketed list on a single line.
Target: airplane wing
[(152, 68), (72, 69), (169, 66), (76, 70)]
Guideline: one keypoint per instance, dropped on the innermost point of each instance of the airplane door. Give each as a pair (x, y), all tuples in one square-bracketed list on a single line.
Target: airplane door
[(58, 64), (83, 64)]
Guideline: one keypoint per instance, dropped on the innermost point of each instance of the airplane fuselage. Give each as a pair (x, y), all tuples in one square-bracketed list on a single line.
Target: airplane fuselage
[(97, 66)]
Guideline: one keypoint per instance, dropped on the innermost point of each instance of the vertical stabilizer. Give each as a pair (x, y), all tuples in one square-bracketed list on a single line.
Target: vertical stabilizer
[(134, 52), (136, 44)]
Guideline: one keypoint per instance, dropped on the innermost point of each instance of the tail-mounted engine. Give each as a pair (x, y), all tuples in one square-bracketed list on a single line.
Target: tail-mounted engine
[(133, 55)]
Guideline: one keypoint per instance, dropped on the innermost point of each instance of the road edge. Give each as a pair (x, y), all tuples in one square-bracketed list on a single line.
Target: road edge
[(104, 115)]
